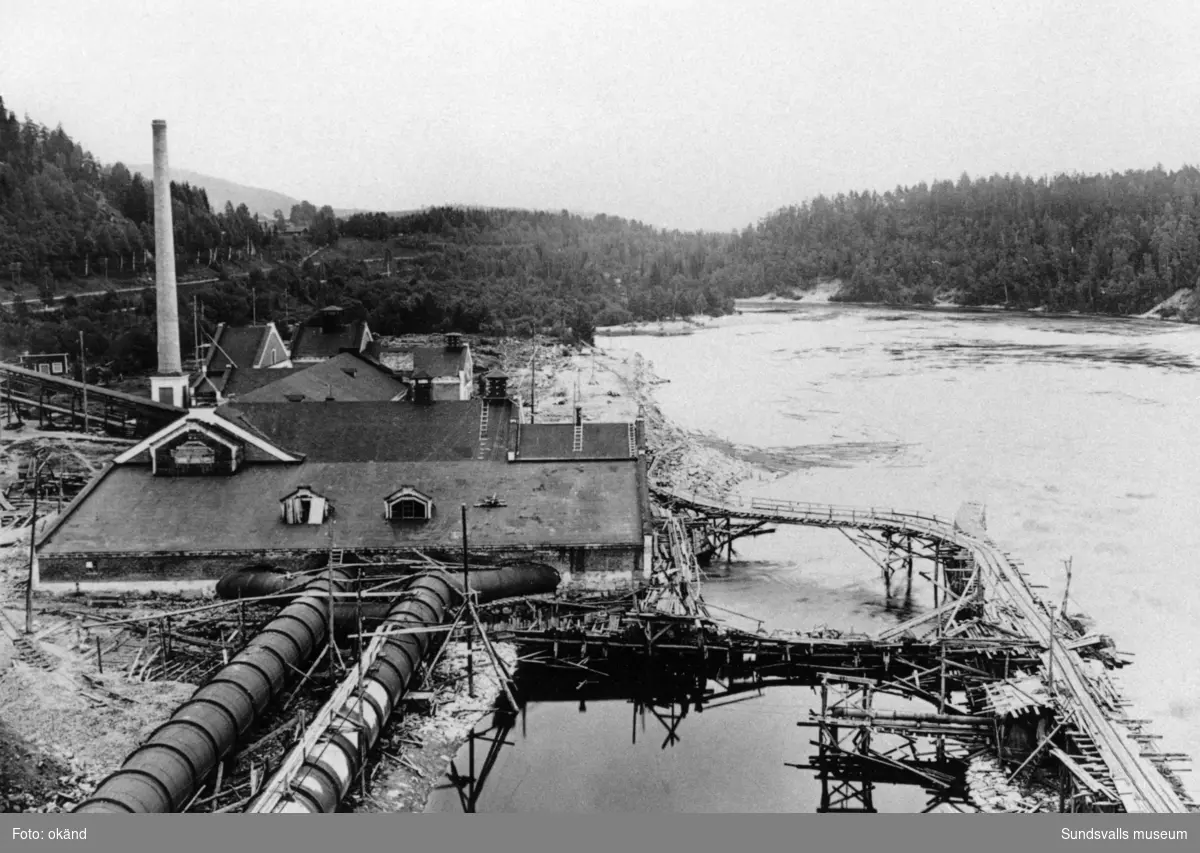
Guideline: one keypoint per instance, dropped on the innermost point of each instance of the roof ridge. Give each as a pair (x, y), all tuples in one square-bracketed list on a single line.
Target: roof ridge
[(223, 413)]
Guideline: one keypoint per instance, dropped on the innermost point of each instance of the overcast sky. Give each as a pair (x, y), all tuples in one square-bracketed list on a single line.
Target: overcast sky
[(681, 114)]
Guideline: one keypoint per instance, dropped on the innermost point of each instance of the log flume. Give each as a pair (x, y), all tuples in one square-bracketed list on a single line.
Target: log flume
[(1140, 786)]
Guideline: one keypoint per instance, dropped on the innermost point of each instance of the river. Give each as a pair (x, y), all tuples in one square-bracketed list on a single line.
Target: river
[(1076, 433)]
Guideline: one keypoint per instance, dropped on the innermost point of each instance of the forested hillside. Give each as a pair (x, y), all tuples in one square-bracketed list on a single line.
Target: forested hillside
[(70, 225), (1096, 243)]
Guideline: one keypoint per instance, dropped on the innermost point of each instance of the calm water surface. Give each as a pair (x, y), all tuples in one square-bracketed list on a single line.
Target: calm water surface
[(1078, 435)]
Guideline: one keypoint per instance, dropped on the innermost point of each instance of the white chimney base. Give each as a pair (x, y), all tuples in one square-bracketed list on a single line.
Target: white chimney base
[(172, 390)]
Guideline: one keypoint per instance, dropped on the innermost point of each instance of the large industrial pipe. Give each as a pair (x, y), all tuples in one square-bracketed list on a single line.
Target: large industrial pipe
[(508, 581), (163, 773), (327, 774)]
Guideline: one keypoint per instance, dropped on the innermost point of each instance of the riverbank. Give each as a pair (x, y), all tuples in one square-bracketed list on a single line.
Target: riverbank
[(619, 386), (1180, 307), (62, 730)]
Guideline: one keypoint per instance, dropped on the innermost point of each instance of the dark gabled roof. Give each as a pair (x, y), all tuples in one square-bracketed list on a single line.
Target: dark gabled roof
[(557, 441), (547, 505), (203, 384), (210, 421), (236, 346), (243, 380), (378, 431), (345, 377), (312, 342), (439, 361)]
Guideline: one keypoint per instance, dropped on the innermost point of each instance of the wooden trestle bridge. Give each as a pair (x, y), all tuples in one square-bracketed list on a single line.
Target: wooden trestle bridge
[(989, 656), (55, 401)]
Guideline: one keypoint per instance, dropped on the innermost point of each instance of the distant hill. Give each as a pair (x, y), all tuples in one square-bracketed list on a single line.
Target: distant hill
[(346, 212), (220, 191)]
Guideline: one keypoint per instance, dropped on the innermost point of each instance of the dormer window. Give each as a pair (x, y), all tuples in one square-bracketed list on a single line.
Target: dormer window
[(407, 504), (304, 506)]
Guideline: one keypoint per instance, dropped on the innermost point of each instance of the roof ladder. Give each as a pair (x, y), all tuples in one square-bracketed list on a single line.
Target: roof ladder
[(577, 446), (633, 448), (485, 446), (336, 556)]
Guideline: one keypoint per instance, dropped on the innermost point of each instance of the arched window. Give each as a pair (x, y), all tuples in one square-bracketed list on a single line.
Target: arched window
[(407, 504)]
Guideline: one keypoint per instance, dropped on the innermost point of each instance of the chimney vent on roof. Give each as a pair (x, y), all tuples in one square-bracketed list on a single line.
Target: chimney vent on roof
[(331, 319), (350, 371), (497, 385), (454, 340), (422, 392)]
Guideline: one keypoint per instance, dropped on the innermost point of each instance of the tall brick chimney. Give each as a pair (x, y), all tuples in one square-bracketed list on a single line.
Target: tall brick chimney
[(169, 384)]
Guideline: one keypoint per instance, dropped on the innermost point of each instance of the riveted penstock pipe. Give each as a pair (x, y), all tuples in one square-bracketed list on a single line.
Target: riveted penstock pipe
[(489, 584), (331, 767), (163, 773)]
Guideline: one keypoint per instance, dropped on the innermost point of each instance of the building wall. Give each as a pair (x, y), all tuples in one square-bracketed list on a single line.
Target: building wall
[(274, 352), (68, 573), (581, 568), (446, 390)]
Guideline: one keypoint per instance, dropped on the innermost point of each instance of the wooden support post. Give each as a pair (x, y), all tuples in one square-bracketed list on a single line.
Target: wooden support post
[(329, 625), (1037, 749), (908, 564), (83, 378), (937, 565), (362, 738), (472, 793), (162, 640), (32, 542), (470, 627), (99, 656), (1050, 657)]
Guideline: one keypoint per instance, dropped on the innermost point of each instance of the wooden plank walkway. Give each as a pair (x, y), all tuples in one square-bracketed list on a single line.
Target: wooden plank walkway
[(1139, 784)]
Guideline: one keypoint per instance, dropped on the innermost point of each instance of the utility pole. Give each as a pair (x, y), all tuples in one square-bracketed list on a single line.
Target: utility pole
[(33, 541), (467, 604), (195, 330), (533, 383), (254, 306), (87, 425)]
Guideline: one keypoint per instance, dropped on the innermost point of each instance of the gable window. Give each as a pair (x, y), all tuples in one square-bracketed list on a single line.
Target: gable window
[(195, 449), (194, 456), (304, 506), (407, 504)]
